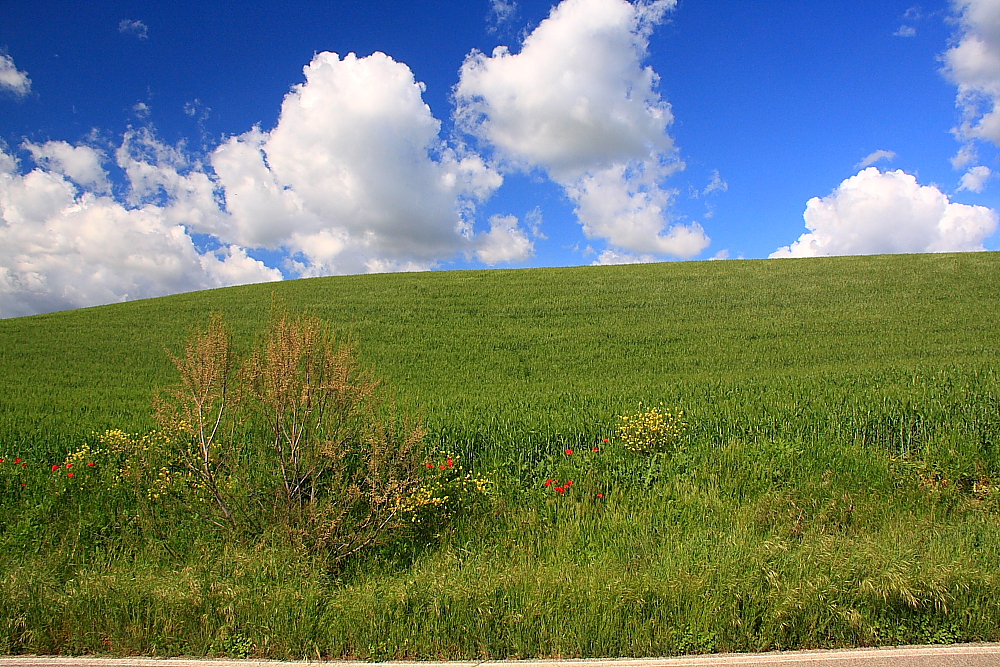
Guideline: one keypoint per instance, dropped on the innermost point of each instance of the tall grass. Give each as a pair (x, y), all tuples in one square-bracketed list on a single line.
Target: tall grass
[(838, 484)]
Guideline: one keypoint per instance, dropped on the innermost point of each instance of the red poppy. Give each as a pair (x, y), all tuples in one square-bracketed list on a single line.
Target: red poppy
[(596, 448), (548, 482), (560, 489), (1, 460), (451, 463), (69, 465), (569, 452), (430, 465), (71, 474), (601, 496), (569, 483), (605, 440), (24, 465), (91, 463), (55, 467), (18, 460)]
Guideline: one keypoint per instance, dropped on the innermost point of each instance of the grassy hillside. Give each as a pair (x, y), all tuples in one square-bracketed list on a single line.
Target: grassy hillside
[(839, 484), (497, 341)]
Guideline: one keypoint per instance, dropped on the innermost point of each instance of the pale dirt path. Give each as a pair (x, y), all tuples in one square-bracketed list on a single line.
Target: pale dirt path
[(962, 655)]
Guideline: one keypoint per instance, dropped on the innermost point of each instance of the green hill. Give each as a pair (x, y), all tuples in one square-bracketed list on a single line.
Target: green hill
[(500, 341), (839, 484)]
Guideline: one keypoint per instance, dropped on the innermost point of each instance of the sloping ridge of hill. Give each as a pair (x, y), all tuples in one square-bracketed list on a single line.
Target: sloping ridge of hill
[(447, 338)]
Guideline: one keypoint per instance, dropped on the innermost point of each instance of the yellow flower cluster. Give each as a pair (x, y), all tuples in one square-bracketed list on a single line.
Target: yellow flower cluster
[(652, 430), (424, 497), (79, 458), (444, 491), (162, 484), (116, 440)]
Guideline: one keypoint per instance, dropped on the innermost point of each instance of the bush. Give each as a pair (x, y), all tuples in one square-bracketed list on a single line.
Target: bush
[(340, 460)]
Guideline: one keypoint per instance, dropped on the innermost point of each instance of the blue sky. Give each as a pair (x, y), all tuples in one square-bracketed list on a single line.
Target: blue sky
[(151, 148)]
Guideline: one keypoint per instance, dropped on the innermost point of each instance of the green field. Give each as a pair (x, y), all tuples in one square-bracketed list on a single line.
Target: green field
[(839, 484)]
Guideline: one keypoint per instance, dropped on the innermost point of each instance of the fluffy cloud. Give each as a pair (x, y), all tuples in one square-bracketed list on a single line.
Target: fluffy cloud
[(355, 176), (65, 246), (12, 79), (576, 97), (577, 102), (163, 175), (967, 154), (875, 213), (628, 210), (505, 242), (973, 64), (81, 164), (975, 179)]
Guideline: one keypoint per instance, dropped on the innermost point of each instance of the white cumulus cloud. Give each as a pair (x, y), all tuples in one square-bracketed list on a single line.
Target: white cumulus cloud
[(973, 64), (975, 179), (578, 103), (628, 210), (12, 79), (355, 176), (878, 212), (67, 245), (967, 154), (81, 164), (505, 242), (576, 97)]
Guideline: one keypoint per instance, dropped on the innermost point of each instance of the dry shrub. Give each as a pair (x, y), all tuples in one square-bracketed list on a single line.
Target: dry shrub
[(192, 414), (347, 461), (342, 460)]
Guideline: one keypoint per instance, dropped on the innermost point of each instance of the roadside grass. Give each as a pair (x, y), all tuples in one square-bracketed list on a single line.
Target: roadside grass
[(839, 484)]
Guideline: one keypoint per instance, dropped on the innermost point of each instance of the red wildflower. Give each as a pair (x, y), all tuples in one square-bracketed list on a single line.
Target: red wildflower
[(91, 463), (548, 482), (24, 465), (430, 465), (442, 466), (71, 474), (17, 460), (601, 496), (560, 489), (451, 463), (569, 452), (569, 483), (605, 440), (69, 465), (596, 448), (1, 460), (55, 467)]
